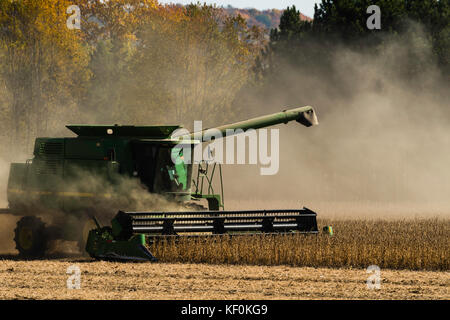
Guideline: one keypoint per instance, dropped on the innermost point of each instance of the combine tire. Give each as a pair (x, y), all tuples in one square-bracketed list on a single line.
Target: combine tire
[(30, 237)]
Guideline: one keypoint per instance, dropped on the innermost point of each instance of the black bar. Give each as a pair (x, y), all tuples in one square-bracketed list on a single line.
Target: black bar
[(268, 225), (168, 228), (225, 309), (219, 226)]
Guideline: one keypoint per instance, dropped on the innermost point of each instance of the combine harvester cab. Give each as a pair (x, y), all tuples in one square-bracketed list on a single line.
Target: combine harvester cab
[(58, 183)]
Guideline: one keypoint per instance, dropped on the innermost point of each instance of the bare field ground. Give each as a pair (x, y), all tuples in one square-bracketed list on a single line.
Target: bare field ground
[(46, 279)]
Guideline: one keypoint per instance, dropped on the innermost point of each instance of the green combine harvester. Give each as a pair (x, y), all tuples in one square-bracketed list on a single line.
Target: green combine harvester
[(74, 184)]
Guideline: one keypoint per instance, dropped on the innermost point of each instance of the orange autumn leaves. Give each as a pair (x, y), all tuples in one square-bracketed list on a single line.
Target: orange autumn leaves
[(132, 61)]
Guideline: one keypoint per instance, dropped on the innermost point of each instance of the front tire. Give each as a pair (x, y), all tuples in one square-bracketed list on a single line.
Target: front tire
[(30, 237)]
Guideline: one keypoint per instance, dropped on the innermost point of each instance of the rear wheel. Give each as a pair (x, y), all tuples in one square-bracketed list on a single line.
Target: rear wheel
[(30, 237)]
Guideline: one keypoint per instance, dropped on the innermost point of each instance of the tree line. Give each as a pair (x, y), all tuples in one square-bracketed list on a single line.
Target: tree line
[(132, 61), (140, 62), (344, 22)]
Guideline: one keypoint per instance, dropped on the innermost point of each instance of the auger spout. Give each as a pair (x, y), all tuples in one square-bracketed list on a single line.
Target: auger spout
[(303, 115)]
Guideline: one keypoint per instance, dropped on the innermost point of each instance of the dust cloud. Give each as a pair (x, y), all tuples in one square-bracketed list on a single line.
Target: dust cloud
[(382, 145), (4, 172), (120, 193), (123, 194), (7, 222)]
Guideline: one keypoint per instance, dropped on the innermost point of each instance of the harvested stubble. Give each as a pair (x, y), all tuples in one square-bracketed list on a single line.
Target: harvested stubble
[(419, 244)]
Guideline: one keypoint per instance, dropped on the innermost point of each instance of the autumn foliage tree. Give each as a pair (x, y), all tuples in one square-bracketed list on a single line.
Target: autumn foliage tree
[(166, 64), (196, 63), (43, 67), (132, 61)]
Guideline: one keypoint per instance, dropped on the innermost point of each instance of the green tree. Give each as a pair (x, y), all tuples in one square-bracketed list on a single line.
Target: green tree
[(343, 23)]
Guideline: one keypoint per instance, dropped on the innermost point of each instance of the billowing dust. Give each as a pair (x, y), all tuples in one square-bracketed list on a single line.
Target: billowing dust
[(127, 194), (7, 222), (382, 145)]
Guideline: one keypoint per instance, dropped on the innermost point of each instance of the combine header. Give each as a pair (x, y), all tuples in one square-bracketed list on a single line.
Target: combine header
[(126, 240), (61, 185), (174, 223)]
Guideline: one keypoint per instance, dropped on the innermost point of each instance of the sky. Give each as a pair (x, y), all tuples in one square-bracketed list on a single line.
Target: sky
[(305, 6)]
